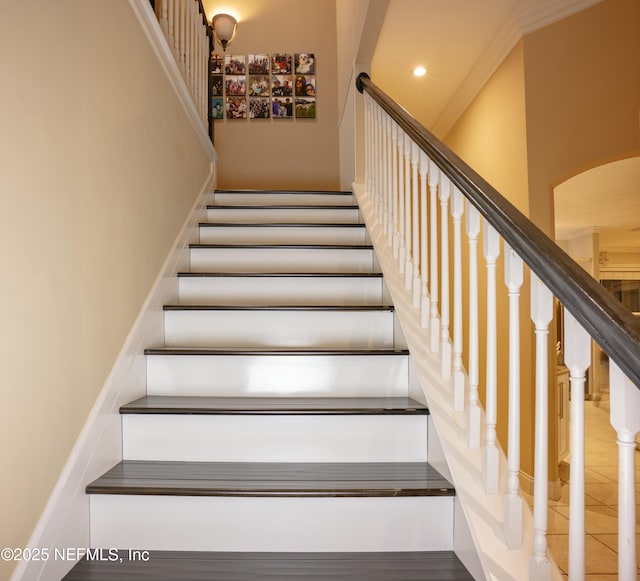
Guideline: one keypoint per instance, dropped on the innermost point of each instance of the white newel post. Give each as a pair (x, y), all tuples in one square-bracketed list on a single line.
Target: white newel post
[(424, 244), (457, 209), (434, 324), (491, 455), (513, 278), (625, 418), (445, 341), (541, 315), (577, 357), (473, 411)]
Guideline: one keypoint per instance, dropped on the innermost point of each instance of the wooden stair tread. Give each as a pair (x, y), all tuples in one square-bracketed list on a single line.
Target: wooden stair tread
[(282, 207), (267, 351), (279, 225), (297, 192), (272, 479), (287, 246), (280, 274), (274, 405), (327, 308), (240, 566)]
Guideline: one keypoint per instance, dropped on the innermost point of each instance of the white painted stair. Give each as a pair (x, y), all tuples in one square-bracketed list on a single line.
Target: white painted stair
[(278, 414)]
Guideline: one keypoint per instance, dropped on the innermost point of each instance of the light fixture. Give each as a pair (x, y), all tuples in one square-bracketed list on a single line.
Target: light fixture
[(420, 71), (224, 28)]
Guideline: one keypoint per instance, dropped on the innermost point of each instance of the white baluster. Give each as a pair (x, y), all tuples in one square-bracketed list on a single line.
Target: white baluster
[(434, 324), (577, 357), (393, 230), (513, 278), (445, 341), (164, 18), (182, 35), (424, 245), (625, 418), (401, 199), (381, 160), (408, 267), (386, 217), (170, 21), (457, 209), (367, 138), (541, 315), (490, 471), (473, 411), (415, 228), (376, 156)]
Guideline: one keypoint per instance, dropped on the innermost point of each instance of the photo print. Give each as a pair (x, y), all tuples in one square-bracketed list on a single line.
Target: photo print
[(281, 64), (235, 64), (305, 63), (305, 86), (305, 108), (258, 64), (236, 108), (216, 64), (217, 85), (259, 108), (235, 85), (217, 108), (282, 85), (259, 86), (282, 107)]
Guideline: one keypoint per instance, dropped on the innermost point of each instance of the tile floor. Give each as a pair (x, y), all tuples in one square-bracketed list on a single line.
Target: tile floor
[(601, 500)]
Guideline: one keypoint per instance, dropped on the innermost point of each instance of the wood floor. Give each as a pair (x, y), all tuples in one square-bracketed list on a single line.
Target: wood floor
[(196, 566)]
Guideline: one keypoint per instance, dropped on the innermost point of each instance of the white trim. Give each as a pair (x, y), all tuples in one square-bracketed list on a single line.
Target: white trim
[(527, 17), (65, 520), (153, 32)]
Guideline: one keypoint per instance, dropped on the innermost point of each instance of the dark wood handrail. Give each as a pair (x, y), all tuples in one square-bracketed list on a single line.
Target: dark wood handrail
[(610, 324)]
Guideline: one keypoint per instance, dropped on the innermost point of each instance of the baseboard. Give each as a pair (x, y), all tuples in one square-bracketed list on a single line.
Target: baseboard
[(64, 522), (554, 488)]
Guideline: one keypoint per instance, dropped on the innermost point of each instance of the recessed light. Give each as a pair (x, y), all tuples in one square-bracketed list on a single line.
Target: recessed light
[(419, 71)]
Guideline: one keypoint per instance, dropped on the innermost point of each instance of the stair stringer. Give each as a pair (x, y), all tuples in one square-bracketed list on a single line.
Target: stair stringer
[(479, 519), (64, 522)]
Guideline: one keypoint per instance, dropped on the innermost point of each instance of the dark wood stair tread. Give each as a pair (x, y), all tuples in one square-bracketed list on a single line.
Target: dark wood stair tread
[(279, 225), (280, 274), (267, 351), (272, 479), (167, 404), (287, 246), (300, 192), (282, 207), (326, 308), (239, 566)]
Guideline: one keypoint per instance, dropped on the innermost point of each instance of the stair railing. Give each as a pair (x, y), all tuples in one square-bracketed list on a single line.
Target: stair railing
[(408, 174), (190, 38)]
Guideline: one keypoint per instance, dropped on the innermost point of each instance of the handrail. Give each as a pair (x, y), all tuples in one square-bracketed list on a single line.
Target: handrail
[(610, 324)]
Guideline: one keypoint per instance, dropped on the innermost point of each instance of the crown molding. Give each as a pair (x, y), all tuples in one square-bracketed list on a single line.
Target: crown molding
[(526, 17)]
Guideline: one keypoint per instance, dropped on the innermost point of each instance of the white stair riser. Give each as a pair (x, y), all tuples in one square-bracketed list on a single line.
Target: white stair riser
[(281, 260), (278, 375), (277, 215), (281, 198), (281, 290), (272, 524), (279, 329), (281, 235), (275, 438)]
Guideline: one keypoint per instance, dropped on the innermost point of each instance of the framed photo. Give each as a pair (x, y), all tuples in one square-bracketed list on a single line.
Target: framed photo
[(281, 64), (258, 64), (282, 107), (259, 108), (305, 107), (236, 108), (217, 108)]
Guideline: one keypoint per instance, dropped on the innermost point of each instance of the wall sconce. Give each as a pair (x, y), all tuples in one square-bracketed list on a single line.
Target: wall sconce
[(224, 29)]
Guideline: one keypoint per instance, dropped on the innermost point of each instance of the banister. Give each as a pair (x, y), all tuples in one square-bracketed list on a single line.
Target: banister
[(608, 322)]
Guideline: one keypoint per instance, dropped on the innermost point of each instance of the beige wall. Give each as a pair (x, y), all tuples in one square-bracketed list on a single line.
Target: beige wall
[(583, 97), (99, 171), (288, 154)]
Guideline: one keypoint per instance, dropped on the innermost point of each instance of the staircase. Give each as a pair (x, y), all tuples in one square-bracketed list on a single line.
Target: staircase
[(283, 433)]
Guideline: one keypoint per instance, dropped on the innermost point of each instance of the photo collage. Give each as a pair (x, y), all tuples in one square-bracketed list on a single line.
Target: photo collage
[(262, 86)]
